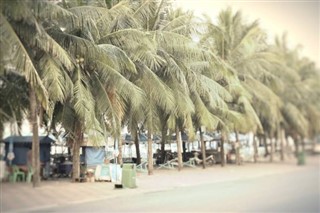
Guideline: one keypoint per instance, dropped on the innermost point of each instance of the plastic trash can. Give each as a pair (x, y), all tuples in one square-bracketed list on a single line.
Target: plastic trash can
[(129, 174), (301, 158)]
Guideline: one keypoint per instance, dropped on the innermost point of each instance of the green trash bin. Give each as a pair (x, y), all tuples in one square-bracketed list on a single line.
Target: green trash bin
[(129, 174), (301, 158)]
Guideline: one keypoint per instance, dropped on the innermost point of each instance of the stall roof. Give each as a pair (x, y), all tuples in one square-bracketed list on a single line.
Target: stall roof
[(28, 139), (142, 138), (184, 137)]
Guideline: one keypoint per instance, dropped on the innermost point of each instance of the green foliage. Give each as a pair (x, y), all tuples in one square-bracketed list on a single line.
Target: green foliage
[(110, 63), (13, 97)]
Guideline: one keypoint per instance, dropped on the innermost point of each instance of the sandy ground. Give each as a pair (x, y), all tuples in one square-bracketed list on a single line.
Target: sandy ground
[(22, 197)]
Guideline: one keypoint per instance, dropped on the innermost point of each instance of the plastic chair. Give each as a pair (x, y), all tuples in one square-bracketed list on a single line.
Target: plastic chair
[(16, 174), (169, 164), (142, 167), (191, 163), (30, 174), (209, 160)]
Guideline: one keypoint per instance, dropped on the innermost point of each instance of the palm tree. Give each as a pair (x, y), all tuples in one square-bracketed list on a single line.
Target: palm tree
[(300, 110), (181, 71), (103, 72), (28, 47), (245, 49), (141, 48)]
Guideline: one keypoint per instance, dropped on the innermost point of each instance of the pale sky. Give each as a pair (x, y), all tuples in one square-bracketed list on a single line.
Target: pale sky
[(300, 19)]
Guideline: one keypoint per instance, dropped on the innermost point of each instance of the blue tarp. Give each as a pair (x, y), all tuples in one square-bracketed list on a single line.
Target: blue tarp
[(22, 144), (94, 156), (116, 172)]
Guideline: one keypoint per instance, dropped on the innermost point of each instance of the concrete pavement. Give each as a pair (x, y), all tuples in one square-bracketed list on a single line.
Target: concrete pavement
[(22, 197)]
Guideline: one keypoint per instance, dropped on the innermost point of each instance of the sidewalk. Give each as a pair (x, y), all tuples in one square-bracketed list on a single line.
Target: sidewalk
[(22, 197)]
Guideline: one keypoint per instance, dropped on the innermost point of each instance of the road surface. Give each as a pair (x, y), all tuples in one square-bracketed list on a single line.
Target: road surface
[(293, 191)]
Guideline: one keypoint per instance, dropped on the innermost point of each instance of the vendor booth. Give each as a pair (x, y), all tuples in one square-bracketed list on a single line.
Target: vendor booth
[(17, 148)]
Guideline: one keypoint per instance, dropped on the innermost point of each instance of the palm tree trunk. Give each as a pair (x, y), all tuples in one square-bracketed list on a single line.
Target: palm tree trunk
[(303, 145), (179, 150), (136, 143), (150, 154), (35, 138), (265, 145), (222, 149), (271, 147), (203, 149), (184, 149), (1, 130), (41, 113), (255, 149), (282, 138), (296, 144), (164, 129), (238, 161), (75, 161), (163, 142), (77, 141), (120, 159), (314, 144)]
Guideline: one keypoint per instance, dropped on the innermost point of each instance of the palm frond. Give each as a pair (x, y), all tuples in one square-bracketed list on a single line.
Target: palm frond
[(155, 88), (84, 104), (82, 99), (103, 102), (95, 13), (180, 23), (250, 112), (17, 58), (177, 45), (202, 115), (46, 10), (295, 119), (112, 78), (147, 12), (17, 11), (57, 82), (270, 102), (239, 121), (118, 55), (212, 87), (81, 47), (137, 44), (183, 104), (174, 71), (312, 113)]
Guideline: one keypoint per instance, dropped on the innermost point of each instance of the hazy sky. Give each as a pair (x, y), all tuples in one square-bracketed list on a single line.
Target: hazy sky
[(300, 19)]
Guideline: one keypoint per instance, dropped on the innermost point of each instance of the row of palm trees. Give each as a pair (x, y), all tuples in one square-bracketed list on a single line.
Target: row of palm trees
[(95, 66)]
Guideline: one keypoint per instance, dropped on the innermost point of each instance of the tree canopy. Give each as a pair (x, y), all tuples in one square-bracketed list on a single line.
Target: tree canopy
[(97, 65)]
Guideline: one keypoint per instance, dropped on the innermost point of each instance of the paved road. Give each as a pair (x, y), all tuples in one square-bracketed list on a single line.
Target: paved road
[(293, 191)]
